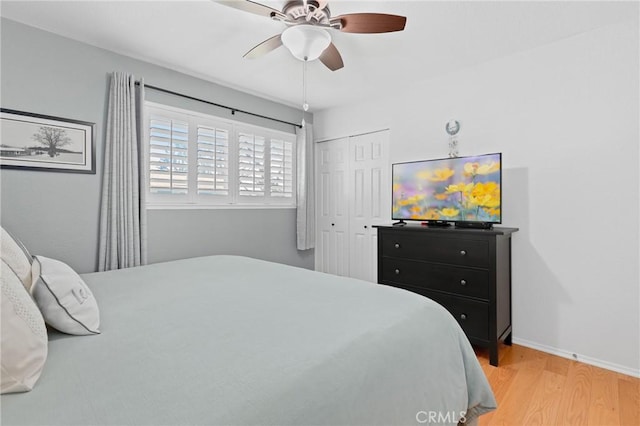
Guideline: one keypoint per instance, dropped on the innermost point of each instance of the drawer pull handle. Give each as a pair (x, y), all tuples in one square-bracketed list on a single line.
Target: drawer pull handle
[(463, 252), (397, 245), (397, 271), (463, 282), (463, 317)]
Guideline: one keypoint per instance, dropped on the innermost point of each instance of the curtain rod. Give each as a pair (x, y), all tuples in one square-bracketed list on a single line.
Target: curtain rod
[(233, 110)]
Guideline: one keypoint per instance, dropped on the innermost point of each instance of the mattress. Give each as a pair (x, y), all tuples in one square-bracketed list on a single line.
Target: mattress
[(238, 341)]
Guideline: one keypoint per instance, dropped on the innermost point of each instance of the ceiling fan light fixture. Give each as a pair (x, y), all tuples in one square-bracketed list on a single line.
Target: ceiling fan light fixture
[(306, 42)]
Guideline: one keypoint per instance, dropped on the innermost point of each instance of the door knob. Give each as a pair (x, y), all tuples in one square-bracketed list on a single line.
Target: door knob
[(333, 224), (365, 227)]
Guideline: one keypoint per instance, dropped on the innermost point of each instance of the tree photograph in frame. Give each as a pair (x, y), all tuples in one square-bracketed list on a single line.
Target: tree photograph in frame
[(41, 142)]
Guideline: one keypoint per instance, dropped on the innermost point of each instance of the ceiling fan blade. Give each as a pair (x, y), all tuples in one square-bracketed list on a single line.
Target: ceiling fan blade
[(265, 47), (252, 7), (367, 23), (331, 58)]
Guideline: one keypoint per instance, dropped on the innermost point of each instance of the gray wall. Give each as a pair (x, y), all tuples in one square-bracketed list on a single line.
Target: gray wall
[(242, 232), (56, 214)]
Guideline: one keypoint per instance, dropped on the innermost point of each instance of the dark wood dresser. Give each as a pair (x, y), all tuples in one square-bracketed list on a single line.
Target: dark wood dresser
[(468, 271)]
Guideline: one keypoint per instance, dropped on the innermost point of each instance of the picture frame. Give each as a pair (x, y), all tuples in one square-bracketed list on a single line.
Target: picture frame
[(39, 142)]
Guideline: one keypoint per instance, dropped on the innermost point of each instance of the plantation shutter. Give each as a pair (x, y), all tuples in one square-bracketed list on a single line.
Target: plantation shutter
[(213, 161), (281, 168), (251, 165), (194, 159), (168, 161)]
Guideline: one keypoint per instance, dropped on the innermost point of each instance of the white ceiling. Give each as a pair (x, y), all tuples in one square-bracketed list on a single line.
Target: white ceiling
[(207, 40)]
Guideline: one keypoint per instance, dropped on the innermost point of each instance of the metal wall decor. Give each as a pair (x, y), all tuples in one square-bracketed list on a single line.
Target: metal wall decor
[(452, 128)]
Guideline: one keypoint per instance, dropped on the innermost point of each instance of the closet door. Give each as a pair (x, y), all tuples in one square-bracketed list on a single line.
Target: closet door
[(332, 241), (369, 200)]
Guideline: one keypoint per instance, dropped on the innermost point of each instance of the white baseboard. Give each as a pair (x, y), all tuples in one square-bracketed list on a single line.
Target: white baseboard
[(577, 357)]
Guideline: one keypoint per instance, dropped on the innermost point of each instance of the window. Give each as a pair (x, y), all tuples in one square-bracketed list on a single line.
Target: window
[(199, 160)]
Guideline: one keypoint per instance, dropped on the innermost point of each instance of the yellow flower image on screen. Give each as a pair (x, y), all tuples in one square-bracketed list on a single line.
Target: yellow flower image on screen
[(459, 187), (485, 195), (432, 214), (448, 212)]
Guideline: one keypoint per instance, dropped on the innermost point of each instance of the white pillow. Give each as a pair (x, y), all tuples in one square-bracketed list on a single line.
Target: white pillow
[(64, 299), (16, 256), (23, 346)]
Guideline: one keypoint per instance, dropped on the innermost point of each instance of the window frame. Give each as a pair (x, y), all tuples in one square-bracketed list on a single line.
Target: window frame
[(193, 200)]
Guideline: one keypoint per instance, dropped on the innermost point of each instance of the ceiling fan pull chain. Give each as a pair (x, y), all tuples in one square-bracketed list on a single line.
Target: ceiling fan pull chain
[(305, 105)]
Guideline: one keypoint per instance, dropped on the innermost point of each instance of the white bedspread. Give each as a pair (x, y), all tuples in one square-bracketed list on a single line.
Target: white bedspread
[(233, 340)]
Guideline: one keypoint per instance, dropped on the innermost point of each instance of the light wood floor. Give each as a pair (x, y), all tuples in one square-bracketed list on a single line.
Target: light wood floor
[(536, 388)]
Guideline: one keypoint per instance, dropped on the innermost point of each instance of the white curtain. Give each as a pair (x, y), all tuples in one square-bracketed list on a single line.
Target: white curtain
[(123, 232), (306, 220)]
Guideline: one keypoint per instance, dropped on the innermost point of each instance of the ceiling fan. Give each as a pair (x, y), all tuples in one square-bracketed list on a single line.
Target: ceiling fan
[(307, 21)]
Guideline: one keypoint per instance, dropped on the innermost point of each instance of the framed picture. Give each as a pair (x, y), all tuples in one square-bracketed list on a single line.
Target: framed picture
[(41, 142)]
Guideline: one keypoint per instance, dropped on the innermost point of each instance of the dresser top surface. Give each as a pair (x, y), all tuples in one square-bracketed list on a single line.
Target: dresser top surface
[(450, 230)]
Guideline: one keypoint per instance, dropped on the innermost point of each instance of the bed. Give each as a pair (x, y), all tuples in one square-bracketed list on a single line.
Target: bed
[(238, 341)]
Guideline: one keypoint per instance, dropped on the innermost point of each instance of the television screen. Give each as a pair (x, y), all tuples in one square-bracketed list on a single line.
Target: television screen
[(462, 189)]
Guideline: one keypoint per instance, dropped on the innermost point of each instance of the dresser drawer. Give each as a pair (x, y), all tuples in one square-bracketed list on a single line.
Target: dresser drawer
[(464, 252), (473, 316), (452, 279)]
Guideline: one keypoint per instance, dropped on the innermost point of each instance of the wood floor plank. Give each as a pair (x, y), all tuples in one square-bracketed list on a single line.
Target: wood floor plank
[(603, 404), (543, 409), (500, 381), (512, 357), (626, 377), (629, 394), (558, 365), (574, 403), (517, 400)]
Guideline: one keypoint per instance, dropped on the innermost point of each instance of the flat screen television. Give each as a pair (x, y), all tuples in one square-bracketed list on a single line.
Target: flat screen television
[(462, 190)]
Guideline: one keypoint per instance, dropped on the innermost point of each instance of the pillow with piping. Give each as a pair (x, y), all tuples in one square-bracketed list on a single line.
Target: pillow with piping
[(64, 299)]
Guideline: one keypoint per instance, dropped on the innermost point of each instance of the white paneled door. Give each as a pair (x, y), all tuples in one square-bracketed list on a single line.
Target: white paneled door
[(332, 214), (370, 200), (354, 193)]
